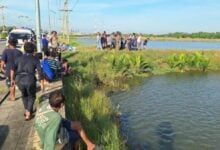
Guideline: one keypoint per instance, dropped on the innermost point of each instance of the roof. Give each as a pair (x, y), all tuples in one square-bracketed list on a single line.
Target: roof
[(28, 31)]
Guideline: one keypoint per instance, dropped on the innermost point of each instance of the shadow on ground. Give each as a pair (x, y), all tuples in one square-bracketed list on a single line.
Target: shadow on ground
[(4, 130)]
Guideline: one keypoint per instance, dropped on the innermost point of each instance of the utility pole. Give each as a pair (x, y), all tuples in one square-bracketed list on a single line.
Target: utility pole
[(48, 7), (38, 26), (66, 10), (3, 17)]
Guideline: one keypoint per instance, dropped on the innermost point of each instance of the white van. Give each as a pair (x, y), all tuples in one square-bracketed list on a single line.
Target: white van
[(20, 34)]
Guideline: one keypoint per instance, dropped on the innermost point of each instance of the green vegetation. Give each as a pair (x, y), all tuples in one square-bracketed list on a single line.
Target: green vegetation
[(191, 61), (198, 35), (3, 35), (97, 73)]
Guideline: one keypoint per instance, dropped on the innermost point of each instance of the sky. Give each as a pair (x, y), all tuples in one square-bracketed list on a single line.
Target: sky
[(140, 16)]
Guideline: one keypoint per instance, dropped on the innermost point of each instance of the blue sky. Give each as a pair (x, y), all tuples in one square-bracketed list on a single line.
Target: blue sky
[(141, 16)]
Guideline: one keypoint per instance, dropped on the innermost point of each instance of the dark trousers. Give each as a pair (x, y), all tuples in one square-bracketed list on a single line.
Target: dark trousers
[(28, 95)]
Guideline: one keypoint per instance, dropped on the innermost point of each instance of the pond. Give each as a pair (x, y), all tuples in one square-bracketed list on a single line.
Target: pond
[(167, 44), (172, 112)]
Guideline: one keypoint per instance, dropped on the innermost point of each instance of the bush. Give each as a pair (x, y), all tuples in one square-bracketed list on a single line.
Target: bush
[(3, 35)]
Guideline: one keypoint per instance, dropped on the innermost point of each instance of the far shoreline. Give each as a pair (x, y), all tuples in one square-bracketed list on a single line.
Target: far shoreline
[(164, 39)]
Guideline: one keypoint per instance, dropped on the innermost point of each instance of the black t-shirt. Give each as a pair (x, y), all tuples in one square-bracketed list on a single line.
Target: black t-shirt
[(25, 68), (9, 56)]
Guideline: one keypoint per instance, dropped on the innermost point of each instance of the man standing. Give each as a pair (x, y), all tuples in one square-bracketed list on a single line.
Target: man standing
[(98, 42), (44, 43), (139, 42), (51, 127), (23, 74), (54, 41), (9, 56)]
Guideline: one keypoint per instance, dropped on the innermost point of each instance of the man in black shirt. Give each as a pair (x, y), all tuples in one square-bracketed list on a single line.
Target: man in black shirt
[(24, 74), (8, 58)]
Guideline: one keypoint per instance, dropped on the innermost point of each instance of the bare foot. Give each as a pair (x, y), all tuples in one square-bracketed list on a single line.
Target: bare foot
[(11, 99)]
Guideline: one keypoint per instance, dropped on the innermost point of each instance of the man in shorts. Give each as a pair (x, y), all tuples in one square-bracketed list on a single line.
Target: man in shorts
[(9, 56), (50, 126)]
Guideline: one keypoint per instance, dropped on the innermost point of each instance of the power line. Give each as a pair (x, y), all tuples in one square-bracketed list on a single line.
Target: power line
[(75, 4)]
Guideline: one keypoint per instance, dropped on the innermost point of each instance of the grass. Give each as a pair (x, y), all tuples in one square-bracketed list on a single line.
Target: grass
[(98, 72)]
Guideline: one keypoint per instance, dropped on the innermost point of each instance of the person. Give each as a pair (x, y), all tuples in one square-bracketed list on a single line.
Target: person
[(109, 41), (44, 43), (46, 69), (54, 63), (54, 41), (98, 42), (23, 74), (9, 56), (145, 43), (2, 76), (103, 41), (66, 68), (133, 42), (25, 40), (139, 42), (49, 125), (118, 40)]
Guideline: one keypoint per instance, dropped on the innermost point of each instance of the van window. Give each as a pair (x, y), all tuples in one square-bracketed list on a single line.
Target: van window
[(20, 35)]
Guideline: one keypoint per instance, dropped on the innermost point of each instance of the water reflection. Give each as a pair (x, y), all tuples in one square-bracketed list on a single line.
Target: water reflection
[(166, 136), (172, 112)]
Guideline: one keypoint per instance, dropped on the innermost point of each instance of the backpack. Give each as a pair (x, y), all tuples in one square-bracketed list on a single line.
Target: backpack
[(47, 70)]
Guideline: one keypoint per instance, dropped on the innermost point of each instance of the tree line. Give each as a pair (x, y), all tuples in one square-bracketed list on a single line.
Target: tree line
[(202, 35)]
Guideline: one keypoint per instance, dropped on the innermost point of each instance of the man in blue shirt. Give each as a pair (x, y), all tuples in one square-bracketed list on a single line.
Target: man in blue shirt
[(9, 56), (44, 43)]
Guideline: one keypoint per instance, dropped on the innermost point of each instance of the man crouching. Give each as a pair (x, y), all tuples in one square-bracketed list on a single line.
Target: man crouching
[(51, 127)]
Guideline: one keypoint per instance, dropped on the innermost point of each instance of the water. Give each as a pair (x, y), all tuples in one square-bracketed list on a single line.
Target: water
[(172, 112), (167, 44)]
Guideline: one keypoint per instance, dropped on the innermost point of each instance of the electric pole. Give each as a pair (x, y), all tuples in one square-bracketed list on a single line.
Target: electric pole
[(66, 10), (3, 17), (48, 5), (38, 26)]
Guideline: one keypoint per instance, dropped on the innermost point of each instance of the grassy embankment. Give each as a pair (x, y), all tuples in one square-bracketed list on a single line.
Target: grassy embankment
[(98, 72)]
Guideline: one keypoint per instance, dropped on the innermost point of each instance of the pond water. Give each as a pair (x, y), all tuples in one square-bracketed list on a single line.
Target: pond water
[(172, 112), (167, 44)]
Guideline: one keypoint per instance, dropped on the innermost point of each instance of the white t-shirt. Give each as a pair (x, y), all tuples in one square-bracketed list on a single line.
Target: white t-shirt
[(139, 39)]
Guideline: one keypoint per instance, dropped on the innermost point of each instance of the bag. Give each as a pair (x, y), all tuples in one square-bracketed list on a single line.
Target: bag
[(47, 70), (63, 136)]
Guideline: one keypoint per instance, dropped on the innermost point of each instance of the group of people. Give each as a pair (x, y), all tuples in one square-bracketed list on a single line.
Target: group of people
[(20, 69), (120, 42)]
